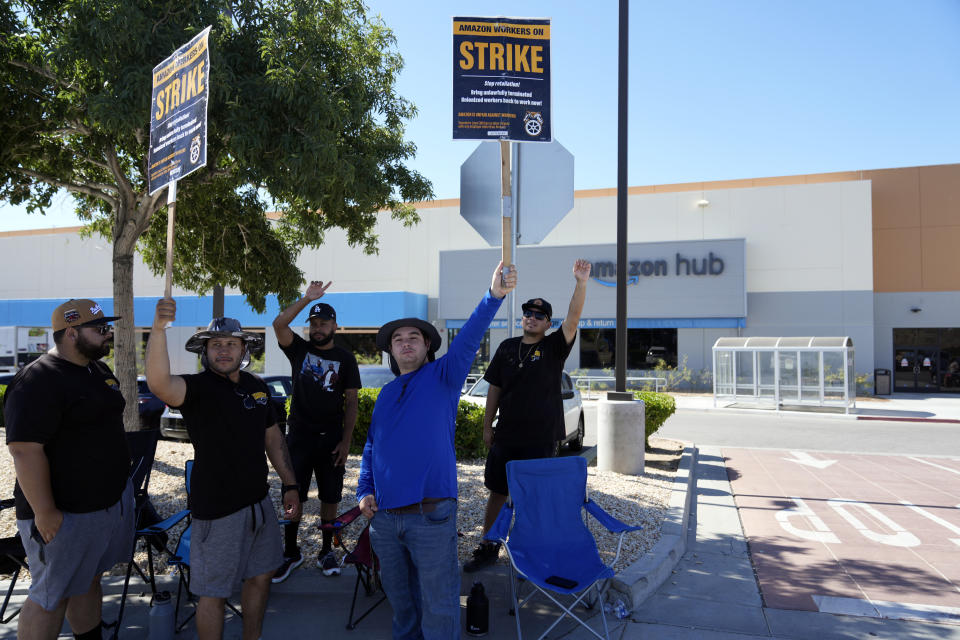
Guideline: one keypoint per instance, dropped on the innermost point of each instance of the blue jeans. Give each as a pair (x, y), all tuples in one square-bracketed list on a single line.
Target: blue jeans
[(420, 571)]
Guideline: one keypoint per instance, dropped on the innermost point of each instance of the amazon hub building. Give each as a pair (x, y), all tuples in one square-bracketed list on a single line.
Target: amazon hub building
[(870, 254)]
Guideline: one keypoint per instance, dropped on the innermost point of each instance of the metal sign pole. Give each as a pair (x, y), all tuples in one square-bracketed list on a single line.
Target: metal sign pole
[(513, 232), (506, 211), (620, 357)]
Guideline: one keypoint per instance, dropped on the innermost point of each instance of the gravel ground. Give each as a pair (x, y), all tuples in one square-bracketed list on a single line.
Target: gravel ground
[(632, 499)]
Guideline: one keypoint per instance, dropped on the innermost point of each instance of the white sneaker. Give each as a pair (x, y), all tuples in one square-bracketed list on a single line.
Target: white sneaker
[(329, 564)]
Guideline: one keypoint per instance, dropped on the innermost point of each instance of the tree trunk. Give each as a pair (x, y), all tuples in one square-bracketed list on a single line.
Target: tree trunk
[(125, 338)]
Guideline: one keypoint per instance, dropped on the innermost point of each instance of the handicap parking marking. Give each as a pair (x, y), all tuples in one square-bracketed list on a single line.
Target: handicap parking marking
[(850, 527)]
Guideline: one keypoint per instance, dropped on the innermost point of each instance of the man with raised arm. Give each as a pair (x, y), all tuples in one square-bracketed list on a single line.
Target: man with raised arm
[(228, 414), (524, 376), (323, 413), (408, 475)]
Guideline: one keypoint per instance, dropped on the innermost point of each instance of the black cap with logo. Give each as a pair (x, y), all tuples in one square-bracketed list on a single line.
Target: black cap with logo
[(322, 310), (538, 304)]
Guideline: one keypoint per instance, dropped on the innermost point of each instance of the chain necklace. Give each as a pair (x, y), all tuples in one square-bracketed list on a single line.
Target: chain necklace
[(531, 350)]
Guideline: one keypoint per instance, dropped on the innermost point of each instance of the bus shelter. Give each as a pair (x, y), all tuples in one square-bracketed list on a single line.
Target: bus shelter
[(812, 371)]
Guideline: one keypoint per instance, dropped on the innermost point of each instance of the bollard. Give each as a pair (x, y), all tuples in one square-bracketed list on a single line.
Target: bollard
[(621, 436)]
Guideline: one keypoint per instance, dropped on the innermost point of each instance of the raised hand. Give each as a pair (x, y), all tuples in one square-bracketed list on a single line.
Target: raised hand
[(316, 289), (503, 282), (581, 270), (166, 313)]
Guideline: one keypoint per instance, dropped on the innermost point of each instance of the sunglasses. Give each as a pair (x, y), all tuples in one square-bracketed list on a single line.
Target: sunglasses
[(535, 314), (102, 329), (248, 401)]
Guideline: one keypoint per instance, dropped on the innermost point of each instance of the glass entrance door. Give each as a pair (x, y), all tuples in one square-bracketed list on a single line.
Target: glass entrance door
[(926, 360), (917, 370)]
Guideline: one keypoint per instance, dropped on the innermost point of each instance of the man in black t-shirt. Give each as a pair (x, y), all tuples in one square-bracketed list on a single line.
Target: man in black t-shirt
[(74, 501), (323, 413), (231, 422), (524, 377)]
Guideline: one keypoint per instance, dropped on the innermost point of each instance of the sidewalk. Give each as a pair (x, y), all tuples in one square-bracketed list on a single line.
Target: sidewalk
[(900, 406)]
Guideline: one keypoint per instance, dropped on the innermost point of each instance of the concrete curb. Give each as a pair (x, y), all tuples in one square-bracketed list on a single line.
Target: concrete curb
[(641, 579)]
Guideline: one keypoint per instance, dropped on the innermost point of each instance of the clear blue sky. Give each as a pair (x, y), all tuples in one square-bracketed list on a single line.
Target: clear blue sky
[(719, 89)]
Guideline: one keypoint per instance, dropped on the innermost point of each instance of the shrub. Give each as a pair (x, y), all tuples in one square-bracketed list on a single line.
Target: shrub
[(657, 408)]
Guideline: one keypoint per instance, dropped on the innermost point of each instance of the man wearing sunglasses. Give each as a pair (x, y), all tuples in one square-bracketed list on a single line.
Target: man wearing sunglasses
[(524, 377), (74, 501), (235, 537)]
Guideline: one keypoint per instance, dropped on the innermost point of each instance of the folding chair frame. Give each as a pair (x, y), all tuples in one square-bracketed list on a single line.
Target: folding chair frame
[(567, 610), (21, 565), (501, 531), (368, 576)]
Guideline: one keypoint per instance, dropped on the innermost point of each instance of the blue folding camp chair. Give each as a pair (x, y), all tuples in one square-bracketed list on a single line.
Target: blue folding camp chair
[(542, 528)]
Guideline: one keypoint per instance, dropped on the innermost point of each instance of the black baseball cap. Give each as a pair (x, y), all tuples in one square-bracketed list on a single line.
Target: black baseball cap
[(322, 310), (538, 304)]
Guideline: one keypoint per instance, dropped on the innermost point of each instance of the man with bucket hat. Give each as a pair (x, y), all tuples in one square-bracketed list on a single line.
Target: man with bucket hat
[(524, 376), (323, 413), (74, 501), (408, 475), (228, 414)]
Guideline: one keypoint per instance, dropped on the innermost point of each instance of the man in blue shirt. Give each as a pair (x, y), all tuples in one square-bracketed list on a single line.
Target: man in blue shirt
[(408, 476)]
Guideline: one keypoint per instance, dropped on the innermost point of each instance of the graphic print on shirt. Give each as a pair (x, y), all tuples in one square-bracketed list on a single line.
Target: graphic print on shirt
[(323, 372)]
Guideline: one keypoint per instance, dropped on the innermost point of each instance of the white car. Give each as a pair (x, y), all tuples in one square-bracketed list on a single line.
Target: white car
[(572, 408)]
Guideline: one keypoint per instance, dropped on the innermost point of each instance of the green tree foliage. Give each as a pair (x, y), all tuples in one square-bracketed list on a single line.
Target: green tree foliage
[(303, 118)]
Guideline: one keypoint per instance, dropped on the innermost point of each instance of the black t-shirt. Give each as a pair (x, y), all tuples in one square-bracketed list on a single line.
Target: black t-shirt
[(227, 423), (320, 377), (76, 413), (531, 409)]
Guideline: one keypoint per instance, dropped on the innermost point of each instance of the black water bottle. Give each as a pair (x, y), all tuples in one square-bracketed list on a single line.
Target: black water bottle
[(478, 611)]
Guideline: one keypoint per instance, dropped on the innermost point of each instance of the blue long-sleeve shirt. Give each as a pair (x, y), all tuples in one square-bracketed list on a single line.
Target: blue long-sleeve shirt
[(409, 454)]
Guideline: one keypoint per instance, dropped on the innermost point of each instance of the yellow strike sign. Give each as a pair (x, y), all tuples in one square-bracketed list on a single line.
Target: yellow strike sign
[(479, 54), (182, 79)]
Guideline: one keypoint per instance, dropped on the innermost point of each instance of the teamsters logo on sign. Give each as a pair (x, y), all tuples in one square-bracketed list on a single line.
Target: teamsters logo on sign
[(501, 79)]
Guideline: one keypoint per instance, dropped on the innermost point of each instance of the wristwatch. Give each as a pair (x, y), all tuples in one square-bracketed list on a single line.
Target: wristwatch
[(288, 487)]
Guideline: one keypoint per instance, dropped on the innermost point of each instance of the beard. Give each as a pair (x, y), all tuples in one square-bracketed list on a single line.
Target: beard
[(320, 340), (92, 350), (224, 368)]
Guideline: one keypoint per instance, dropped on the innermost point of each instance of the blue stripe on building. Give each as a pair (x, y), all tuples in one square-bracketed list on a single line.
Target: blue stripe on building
[(358, 309)]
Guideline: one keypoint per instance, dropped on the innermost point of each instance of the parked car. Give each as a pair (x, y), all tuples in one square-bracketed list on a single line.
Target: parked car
[(374, 376), (572, 408), (150, 406), (171, 421), (656, 354)]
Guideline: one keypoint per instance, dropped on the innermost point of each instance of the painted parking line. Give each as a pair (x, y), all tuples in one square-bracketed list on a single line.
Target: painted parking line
[(849, 532)]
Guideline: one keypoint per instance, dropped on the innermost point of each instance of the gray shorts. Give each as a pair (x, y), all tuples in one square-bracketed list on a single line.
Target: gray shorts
[(225, 551), (86, 545)]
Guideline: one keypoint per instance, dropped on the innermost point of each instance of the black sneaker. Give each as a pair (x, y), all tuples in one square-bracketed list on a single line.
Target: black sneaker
[(484, 555), (289, 564), (329, 565)]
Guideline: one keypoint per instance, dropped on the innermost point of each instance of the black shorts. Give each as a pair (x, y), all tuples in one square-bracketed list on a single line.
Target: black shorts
[(495, 471), (312, 455)]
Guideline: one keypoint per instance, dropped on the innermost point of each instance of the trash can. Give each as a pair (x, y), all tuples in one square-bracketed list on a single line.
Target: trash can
[(881, 382)]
